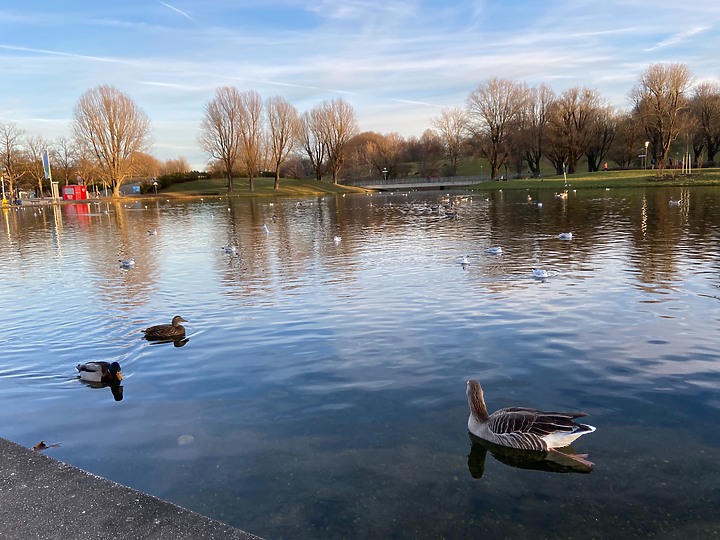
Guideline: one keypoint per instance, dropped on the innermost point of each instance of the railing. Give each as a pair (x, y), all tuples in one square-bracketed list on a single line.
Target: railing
[(409, 183)]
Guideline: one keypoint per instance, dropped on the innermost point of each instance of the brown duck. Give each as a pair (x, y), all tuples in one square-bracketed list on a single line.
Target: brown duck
[(175, 330)]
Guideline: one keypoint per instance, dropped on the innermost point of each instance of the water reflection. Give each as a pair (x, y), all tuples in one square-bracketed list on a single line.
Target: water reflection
[(336, 366), (116, 390), (557, 461)]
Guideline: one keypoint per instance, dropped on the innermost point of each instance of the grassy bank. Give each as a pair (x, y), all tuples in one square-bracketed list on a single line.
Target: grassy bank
[(263, 188), (306, 187), (632, 178)]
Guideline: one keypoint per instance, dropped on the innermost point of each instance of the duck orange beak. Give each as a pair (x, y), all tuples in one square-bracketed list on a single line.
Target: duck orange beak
[(119, 376)]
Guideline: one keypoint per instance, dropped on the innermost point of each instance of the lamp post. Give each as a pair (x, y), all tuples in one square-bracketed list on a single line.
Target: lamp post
[(2, 179), (385, 174), (647, 143)]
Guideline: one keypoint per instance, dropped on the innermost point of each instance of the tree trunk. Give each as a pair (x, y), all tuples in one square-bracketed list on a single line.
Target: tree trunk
[(229, 182), (276, 184)]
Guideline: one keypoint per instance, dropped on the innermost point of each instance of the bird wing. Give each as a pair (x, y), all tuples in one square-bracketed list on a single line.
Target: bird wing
[(92, 367), (523, 428)]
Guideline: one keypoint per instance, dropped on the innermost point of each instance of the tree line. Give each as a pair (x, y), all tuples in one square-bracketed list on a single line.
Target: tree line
[(513, 126)]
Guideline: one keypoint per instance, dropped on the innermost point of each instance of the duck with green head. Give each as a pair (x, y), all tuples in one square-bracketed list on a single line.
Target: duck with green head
[(100, 372)]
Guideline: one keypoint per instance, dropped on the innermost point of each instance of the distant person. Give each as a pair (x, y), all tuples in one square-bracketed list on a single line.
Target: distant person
[(605, 166)]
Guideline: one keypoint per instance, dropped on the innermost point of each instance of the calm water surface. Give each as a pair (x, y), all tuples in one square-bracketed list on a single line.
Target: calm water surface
[(321, 393)]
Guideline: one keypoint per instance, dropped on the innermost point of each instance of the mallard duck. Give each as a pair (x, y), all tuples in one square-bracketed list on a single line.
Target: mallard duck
[(540, 273), (232, 250), (522, 428), (100, 372), (495, 250), (127, 263), (565, 236), (175, 330)]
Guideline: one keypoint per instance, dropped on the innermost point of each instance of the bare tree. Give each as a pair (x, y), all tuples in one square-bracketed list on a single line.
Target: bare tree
[(603, 132), (429, 149), (385, 152), (87, 169), (312, 140), (339, 125), (452, 126), (175, 166), (660, 98), (493, 109), (283, 131), (629, 140), (533, 125), (114, 129), (34, 148), (705, 107), (571, 121), (251, 134), (220, 130), (64, 157), (11, 138)]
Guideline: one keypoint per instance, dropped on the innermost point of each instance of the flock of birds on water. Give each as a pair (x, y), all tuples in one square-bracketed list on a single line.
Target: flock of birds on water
[(516, 435), (533, 435)]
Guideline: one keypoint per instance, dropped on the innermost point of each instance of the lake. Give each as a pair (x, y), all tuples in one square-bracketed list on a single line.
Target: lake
[(321, 390)]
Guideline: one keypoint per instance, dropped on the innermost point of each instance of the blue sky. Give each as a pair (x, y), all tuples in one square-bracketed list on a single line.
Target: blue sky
[(398, 62)]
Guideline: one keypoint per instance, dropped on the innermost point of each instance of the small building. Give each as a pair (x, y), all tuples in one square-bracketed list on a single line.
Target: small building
[(74, 193)]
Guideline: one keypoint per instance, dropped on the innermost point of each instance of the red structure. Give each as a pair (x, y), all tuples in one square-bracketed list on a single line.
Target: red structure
[(74, 193)]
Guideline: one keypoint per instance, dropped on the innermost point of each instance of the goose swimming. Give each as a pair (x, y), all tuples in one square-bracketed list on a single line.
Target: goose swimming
[(522, 428), (539, 273)]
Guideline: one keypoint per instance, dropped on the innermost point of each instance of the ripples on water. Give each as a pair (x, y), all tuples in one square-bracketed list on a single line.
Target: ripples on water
[(321, 392)]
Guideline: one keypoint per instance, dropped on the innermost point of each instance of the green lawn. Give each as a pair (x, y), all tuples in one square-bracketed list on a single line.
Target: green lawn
[(263, 188), (602, 179), (308, 187)]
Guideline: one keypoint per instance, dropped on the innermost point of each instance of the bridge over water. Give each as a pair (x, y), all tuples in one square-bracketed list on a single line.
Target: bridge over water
[(433, 182)]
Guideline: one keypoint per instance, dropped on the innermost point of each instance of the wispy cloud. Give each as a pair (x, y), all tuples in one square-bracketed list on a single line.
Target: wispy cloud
[(398, 62), (179, 11), (678, 38)]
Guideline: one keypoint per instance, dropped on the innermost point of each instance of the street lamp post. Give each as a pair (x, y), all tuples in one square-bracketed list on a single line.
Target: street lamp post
[(4, 200), (385, 174), (647, 143)]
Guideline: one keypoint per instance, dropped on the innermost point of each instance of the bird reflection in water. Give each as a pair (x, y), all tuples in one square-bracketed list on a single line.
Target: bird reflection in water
[(560, 460), (101, 374), (115, 388), (176, 342)]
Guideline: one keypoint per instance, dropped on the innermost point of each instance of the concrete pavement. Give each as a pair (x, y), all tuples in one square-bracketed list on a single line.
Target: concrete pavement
[(41, 498)]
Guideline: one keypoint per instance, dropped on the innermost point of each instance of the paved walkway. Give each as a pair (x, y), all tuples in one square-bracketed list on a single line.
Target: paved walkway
[(41, 498)]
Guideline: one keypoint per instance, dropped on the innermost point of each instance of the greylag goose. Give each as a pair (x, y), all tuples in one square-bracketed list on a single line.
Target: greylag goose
[(522, 428)]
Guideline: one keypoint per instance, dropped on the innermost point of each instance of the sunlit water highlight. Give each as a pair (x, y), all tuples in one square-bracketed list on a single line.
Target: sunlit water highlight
[(321, 393)]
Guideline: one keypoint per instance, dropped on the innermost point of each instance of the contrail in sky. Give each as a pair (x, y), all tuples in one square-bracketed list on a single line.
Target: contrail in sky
[(176, 10)]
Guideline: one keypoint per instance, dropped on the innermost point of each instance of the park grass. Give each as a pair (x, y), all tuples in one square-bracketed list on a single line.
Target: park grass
[(263, 187), (607, 179), (309, 187)]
